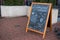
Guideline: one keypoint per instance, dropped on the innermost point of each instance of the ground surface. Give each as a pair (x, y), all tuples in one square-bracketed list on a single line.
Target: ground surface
[(14, 29)]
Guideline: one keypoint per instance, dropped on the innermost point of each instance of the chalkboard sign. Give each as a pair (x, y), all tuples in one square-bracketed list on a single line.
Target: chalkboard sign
[(39, 17)]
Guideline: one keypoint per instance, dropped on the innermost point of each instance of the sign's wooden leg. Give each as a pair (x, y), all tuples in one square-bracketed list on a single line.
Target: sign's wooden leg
[(50, 28), (26, 29), (44, 32), (51, 20), (43, 35)]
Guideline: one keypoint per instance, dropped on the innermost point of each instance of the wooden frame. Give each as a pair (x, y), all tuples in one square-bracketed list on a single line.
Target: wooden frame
[(49, 11)]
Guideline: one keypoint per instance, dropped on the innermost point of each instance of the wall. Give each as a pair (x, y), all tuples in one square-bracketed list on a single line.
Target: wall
[(54, 16), (14, 11)]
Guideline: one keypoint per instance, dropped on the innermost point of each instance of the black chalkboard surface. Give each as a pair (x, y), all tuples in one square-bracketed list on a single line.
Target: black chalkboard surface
[(38, 19)]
